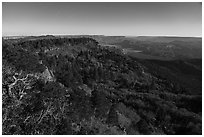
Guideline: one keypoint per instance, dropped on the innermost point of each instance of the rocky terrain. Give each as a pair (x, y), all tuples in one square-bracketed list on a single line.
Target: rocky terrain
[(76, 86)]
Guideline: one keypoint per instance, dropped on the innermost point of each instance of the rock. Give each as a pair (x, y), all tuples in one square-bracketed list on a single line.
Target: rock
[(123, 121), (48, 75), (128, 113)]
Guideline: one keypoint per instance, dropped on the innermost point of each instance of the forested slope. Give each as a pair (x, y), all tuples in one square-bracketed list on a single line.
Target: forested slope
[(75, 86)]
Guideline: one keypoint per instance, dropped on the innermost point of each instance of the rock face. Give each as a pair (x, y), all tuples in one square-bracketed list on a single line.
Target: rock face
[(98, 91), (47, 75)]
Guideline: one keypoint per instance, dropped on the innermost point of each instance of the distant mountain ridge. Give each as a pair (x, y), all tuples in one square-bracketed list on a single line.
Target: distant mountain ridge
[(165, 38), (157, 47), (104, 37)]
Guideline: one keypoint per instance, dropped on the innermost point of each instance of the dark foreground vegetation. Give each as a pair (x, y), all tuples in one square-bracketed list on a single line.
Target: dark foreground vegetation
[(75, 86)]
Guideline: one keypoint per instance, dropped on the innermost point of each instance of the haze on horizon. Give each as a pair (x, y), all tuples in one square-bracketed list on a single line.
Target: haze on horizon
[(119, 19)]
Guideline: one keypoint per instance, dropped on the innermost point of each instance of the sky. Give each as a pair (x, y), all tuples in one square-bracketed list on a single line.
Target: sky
[(119, 19)]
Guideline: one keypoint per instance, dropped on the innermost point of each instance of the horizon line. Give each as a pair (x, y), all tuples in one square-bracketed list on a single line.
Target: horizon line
[(98, 35)]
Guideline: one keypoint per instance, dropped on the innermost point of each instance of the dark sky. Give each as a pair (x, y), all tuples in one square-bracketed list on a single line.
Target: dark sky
[(130, 19)]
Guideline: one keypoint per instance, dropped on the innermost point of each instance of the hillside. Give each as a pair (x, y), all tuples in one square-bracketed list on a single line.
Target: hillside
[(177, 49), (63, 86), (155, 47), (186, 73), (166, 39)]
